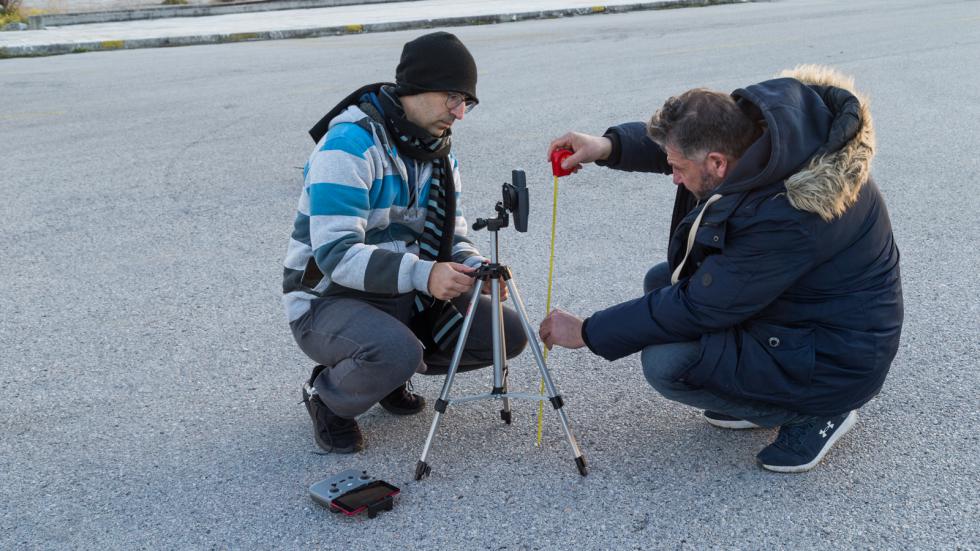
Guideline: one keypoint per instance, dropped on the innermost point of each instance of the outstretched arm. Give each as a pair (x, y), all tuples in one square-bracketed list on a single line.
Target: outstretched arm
[(634, 151), (585, 149), (624, 147)]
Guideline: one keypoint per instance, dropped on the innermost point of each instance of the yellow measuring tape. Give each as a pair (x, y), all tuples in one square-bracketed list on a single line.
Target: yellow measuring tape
[(551, 273)]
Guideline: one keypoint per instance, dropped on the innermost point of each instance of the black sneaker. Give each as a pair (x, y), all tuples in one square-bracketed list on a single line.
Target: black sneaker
[(799, 448), (332, 433), (727, 421), (403, 402)]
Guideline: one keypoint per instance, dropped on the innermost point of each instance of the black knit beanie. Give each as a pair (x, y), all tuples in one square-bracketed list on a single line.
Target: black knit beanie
[(436, 62)]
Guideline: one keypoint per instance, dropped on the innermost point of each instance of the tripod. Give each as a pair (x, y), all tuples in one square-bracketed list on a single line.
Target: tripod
[(493, 273)]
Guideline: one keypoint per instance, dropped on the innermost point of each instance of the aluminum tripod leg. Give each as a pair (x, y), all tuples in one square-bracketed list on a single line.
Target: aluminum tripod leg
[(421, 468), (499, 390), (555, 398), (499, 349)]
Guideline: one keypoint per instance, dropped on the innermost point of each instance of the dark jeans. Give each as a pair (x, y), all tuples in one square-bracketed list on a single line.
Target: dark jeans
[(665, 364), (365, 342)]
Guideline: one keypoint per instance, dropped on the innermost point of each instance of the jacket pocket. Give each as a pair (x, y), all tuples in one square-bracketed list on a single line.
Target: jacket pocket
[(790, 349), (311, 275)]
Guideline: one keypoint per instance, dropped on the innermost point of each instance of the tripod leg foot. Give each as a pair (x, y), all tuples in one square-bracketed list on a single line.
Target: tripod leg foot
[(422, 470), (583, 469), (505, 415)]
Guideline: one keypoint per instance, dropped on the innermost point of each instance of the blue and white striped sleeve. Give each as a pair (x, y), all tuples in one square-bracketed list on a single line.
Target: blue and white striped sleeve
[(339, 182)]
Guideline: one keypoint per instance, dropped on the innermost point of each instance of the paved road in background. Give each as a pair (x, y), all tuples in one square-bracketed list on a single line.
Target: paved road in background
[(150, 387), (239, 23), (78, 6)]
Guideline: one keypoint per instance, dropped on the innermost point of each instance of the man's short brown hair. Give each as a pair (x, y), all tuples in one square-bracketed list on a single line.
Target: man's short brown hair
[(700, 121)]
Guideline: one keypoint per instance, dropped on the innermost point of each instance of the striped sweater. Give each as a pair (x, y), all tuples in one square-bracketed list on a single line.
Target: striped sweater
[(359, 218)]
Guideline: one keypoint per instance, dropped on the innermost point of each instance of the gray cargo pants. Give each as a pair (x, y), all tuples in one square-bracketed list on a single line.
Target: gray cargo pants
[(369, 350)]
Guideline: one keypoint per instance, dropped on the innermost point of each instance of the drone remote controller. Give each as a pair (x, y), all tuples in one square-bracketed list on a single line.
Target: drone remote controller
[(352, 492)]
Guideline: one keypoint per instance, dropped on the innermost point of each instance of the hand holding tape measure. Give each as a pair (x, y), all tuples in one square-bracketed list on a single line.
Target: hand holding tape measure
[(558, 154)]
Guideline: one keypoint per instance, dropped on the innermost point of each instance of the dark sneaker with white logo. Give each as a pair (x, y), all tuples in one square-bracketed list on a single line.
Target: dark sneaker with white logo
[(402, 401), (799, 448), (331, 432), (727, 421)]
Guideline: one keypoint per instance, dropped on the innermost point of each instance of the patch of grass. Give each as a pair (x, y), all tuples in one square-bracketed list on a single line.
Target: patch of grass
[(174, 2), (240, 37), (14, 18)]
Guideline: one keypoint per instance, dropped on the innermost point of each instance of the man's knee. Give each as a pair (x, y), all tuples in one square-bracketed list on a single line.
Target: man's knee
[(400, 356), (657, 277), (354, 384), (479, 347), (514, 333), (664, 364)]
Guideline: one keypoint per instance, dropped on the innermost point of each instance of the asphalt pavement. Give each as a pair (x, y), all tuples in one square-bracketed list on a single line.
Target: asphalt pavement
[(149, 386)]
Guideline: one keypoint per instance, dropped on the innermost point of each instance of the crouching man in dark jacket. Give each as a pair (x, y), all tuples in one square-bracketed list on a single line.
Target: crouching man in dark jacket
[(780, 303)]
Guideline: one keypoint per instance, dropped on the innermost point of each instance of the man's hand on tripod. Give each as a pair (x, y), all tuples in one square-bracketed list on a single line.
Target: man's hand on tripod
[(561, 328), (488, 289), (448, 280)]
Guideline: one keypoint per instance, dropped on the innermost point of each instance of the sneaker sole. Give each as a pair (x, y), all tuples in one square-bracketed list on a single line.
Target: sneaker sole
[(844, 428), (736, 424)]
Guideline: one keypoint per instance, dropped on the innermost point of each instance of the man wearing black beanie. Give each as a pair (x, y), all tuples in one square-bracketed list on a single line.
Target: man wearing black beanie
[(376, 268)]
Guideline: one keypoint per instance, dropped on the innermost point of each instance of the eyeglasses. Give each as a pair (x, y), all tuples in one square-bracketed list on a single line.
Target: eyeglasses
[(454, 99)]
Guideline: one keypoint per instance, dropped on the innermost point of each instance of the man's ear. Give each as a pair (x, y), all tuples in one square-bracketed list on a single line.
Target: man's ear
[(718, 164)]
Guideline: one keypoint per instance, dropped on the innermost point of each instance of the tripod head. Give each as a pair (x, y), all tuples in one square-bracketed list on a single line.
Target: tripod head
[(514, 201)]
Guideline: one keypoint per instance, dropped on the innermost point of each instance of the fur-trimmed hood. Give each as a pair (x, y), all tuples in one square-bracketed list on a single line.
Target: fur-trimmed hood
[(817, 136), (830, 184)]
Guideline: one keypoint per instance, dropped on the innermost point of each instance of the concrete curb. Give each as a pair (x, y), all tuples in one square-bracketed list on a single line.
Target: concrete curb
[(163, 42), (163, 12)]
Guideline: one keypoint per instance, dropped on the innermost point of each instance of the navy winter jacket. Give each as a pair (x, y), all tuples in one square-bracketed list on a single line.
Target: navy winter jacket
[(792, 286)]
